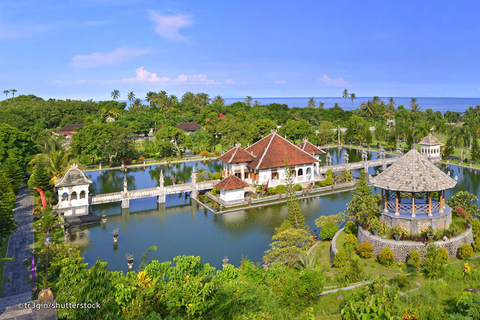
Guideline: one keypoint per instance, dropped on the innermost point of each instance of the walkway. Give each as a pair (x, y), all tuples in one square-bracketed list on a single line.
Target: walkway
[(20, 247)]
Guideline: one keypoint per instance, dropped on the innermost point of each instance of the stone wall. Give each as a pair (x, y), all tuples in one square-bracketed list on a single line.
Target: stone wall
[(333, 248), (402, 248)]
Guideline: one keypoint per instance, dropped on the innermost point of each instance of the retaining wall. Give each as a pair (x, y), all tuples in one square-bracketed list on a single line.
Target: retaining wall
[(401, 249)]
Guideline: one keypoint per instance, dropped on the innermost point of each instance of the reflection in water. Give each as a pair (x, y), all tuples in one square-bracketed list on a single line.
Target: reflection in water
[(180, 226)]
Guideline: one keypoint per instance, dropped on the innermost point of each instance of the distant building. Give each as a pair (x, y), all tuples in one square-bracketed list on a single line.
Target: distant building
[(232, 188), (391, 123), (222, 116), (264, 162), (69, 129), (72, 191), (430, 146), (189, 127), (313, 150)]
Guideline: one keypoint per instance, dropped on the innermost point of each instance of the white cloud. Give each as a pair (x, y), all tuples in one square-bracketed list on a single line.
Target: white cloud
[(229, 81), (142, 75), (194, 79), (280, 82), (98, 59), (168, 26), (478, 89), (72, 82), (331, 81)]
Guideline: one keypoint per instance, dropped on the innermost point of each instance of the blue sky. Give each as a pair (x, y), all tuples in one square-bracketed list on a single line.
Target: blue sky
[(85, 49)]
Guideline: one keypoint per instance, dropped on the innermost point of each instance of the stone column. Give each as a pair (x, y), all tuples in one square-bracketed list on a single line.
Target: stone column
[(440, 200), (125, 203), (413, 204), (386, 201)]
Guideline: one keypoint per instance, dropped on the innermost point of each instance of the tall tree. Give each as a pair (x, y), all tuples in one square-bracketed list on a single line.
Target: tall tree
[(475, 154), (115, 94), (55, 158), (345, 96), (353, 96), (311, 102), (40, 177), (131, 96), (6, 93), (295, 216), (219, 100), (13, 92), (248, 101), (414, 105), (321, 104), (8, 225), (391, 102)]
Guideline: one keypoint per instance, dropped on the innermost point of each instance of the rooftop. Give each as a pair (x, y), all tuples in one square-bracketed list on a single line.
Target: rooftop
[(231, 183), (430, 140), (413, 172), (189, 126), (73, 177), (310, 148), (71, 128), (237, 155)]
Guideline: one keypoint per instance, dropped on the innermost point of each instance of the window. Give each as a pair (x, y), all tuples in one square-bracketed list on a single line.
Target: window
[(309, 171), (83, 194), (245, 175), (300, 172), (293, 172), (64, 196), (274, 175)]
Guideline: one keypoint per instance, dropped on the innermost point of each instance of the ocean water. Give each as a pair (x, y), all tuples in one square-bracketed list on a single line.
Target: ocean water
[(436, 104)]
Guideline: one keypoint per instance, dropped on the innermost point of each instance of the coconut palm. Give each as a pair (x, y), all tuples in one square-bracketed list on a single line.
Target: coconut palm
[(414, 105), (311, 103), (353, 96), (248, 101), (55, 158), (6, 93), (345, 96), (391, 102), (115, 94), (137, 102), (150, 96), (13, 92), (321, 104), (219, 100), (131, 96)]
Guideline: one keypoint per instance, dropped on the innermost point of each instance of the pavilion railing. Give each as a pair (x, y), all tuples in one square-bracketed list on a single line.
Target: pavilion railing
[(406, 208)]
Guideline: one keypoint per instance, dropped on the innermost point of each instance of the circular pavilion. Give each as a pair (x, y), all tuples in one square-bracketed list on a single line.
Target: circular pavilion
[(413, 194)]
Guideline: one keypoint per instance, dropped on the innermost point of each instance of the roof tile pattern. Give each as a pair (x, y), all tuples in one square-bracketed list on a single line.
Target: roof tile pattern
[(430, 140), (73, 177), (71, 128), (189, 126), (310, 148), (271, 151), (413, 172), (236, 155), (231, 183)]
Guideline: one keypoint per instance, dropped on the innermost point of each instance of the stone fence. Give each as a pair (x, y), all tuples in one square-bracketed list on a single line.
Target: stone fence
[(333, 249), (401, 249)]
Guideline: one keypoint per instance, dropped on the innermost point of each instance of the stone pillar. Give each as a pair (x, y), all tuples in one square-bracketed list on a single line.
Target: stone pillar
[(161, 198), (441, 200), (242, 172), (194, 184), (397, 200), (161, 181), (386, 201), (413, 204), (124, 183), (125, 203)]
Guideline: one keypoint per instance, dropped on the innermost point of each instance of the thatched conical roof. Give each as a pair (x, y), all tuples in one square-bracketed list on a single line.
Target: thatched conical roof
[(413, 172)]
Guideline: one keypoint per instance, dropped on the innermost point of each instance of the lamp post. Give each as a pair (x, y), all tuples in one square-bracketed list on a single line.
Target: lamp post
[(48, 239)]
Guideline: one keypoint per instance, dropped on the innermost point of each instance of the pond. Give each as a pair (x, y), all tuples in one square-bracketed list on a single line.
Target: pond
[(182, 227)]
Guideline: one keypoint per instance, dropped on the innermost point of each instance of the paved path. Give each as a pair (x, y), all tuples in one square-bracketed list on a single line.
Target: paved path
[(20, 247)]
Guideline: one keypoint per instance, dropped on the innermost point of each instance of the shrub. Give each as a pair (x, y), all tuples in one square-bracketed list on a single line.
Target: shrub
[(329, 181), (215, 191), (351, 242), (432, 263), (280, 189), (271, 191), (350, 228), (386, 257), (322, 183), (443, 255), (340, 259), (465, 251), (476, 228), (216, 176), (353, 271), (414, 256), (476, 244), (365, 250), (204, 153), (328, 231), (297, 187)]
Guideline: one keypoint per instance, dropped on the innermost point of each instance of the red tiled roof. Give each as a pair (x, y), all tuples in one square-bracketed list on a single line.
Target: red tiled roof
[(221, 116), (271, 151), (231, 183), (310, 148), (71, 128), (189, 126), (236, 155)]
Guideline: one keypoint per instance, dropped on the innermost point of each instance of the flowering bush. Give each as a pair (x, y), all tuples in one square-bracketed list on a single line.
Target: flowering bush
[(365, 250), (429, 231), (350, 227), (386, 257), (476, 244), (460, 212), (204, 153), (465, 251), (476, 228), (398, 231)]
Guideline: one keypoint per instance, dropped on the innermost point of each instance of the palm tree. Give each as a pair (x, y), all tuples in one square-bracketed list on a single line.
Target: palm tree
[(414, 105), (13, 92), (345, 96), (248, 101), (391, 102), (6, 93), (131, 96), (115, 94), (311, 103), (55, 158), (219, 100), (150, 96), (353, 96), (321, 104), (137, 102)]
